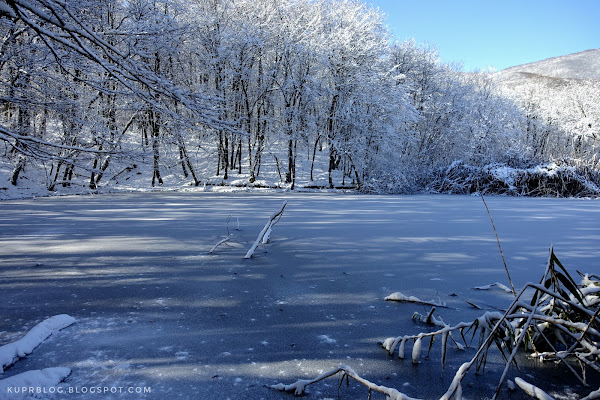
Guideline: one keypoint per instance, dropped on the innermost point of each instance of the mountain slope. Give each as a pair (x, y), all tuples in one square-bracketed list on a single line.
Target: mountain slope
[(582, 65)]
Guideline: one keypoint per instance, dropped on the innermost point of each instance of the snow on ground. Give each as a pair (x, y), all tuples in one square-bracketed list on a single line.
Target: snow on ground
[(158, 317)]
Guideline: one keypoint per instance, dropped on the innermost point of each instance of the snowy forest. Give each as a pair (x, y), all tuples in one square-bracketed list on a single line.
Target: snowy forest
[(274, 93)]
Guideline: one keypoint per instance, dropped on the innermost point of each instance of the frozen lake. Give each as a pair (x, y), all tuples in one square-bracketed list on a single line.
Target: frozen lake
[(155, 310)]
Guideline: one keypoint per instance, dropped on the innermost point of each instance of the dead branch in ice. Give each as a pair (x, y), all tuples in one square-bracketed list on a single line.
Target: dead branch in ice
[(497, 284), (227, 238), (560, 323), (399, 297), (220, 242), (265, 234), (299, 387)]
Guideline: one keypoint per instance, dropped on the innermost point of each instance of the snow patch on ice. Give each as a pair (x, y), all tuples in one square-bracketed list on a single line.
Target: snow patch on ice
[(326, 339)]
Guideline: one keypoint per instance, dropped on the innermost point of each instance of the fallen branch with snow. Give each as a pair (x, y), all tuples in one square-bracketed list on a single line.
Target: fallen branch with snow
[(40, 380), (265, 235), (497, 284), (399, 297), (532, 390), (299, 387), (10, 353)]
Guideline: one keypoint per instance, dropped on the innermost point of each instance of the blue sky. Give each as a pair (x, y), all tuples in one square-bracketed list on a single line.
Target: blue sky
[(496, 33)]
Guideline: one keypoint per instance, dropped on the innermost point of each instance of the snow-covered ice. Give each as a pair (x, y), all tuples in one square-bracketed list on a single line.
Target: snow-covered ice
[(155, 310)]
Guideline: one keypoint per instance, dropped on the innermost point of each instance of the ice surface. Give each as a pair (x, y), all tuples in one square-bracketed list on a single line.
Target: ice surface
[(155, 310)]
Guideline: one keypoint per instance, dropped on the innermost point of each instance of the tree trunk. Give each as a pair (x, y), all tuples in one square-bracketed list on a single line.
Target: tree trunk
[(330, 137), (55, 179), (182, 162), (186, 162), (314, 154), (290, 176), (23, 122), (155, 125), (93, 174), (17, 170)]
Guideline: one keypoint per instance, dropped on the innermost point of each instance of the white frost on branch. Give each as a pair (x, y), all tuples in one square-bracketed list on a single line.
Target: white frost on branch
[(455, 388), (265, 234), (10, 353), (416, 353)]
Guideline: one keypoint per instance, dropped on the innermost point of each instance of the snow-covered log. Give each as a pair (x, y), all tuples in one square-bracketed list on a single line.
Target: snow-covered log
[(10, 353), (399, 297), (299, 387), (38, 381), (532, 390), (265, 234)]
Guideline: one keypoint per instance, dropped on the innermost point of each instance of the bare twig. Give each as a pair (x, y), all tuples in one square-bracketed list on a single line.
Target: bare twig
[(299, 386)]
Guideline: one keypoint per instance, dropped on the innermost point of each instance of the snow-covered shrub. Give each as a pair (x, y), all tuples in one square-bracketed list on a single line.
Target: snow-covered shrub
[(543, 180)]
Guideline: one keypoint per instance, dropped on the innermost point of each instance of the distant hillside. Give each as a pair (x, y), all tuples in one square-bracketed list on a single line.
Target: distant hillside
[(582, 65), (560, 99)]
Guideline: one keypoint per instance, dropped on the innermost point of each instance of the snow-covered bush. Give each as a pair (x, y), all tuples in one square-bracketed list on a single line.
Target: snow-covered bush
[(554, 180)]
